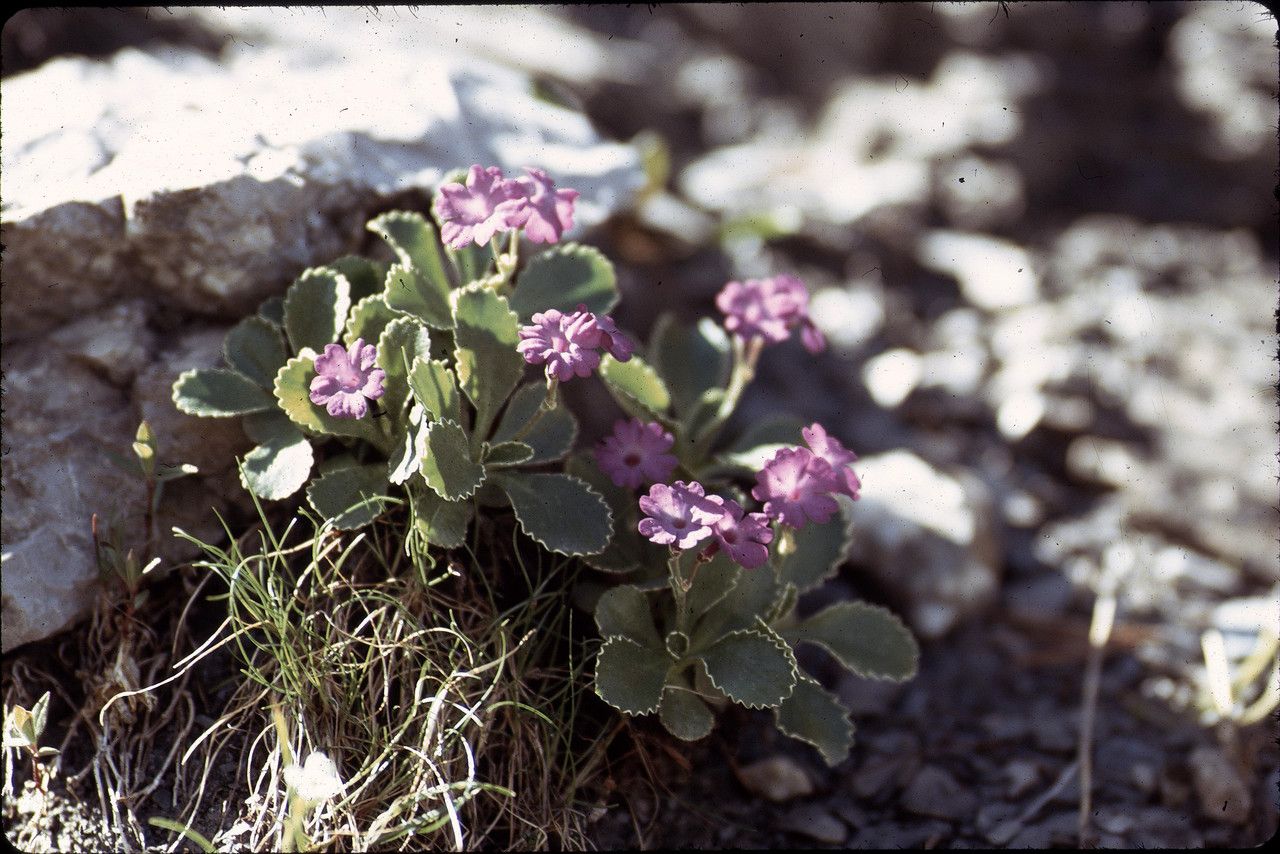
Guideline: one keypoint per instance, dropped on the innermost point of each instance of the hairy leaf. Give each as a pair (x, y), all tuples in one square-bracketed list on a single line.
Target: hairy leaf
[(624, 612), (403, 340), (447, 465), (442, 523), (815, 716), (315, 309), (564, 277), (869, 640), (560, 512), (436, 388), (404, 461), (553, 434), (350, 497), (485, 339), (218, 393), (754, 667), (627, 549), (255, 348), (368, 318), (280, 464), (684, 714), (690, 359), (365, 277), (747, 600), (418, 284), (507, 454), (630, 677), (637, 387)]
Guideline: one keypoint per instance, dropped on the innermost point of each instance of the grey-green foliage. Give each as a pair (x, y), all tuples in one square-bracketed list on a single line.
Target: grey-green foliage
[(716, 631), (454, 424)]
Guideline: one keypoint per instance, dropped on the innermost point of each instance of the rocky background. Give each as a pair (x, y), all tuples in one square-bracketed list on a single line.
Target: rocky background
[(1041, 237)]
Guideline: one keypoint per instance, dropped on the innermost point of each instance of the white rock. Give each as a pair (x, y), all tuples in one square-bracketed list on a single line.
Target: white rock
[(216, 184), (892, 375), (928, 537), (777, 778), (993, 274)]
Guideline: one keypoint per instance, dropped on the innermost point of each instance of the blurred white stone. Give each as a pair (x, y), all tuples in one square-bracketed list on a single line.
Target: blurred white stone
[(891, 376), (928, 537), (848, 317), (993, 274), (216, 184)]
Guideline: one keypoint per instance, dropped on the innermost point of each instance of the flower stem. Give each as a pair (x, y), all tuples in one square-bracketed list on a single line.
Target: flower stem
[(746, 355), (548, 404)]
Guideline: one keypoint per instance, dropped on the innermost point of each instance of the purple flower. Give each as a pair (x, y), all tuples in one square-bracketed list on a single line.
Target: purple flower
[(344, 378), (744, 536), (568, 343), (486, 205), (545, 212), (636, 452), (769, 309), (795, 487), (830, 449), (678, 515)]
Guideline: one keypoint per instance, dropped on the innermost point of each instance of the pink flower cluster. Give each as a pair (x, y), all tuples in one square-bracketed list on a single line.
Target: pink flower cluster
[(636, 452), (568, 344), (345, 378), (770, 309), (798, 485), (681, 515), (489, 203)]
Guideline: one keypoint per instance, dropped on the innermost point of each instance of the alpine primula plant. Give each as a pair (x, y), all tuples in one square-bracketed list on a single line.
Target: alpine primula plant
[(407, 383)]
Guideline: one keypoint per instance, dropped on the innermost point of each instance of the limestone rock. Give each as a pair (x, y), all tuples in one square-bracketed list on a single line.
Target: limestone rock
[(928, 537), (150, 187)]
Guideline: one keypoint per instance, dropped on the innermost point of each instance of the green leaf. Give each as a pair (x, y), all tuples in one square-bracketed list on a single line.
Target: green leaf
[(485, 339), (442, 523), (627, 549), (636, 386), (713, 582), (470, 262), (752, 666), (819, 549), (553, 435), (631, 677), (691, 360), (280, 464), (351, 497), (272, 311), (293, 392), (684, 715), (404, 461), (315, 309), (418, 284), (365, 277), (401, 342), (218, 393), (447, 465), (624, 612), (507, 454), (39, 716), (436, 388), (368, 318), (740, 608), (869, 640), (816, 717), (255, 348), (560, 512), (564, 277)]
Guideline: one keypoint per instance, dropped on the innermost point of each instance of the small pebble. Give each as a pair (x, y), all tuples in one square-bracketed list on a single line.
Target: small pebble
[(777, 778), (934, 792), (815, 823)]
